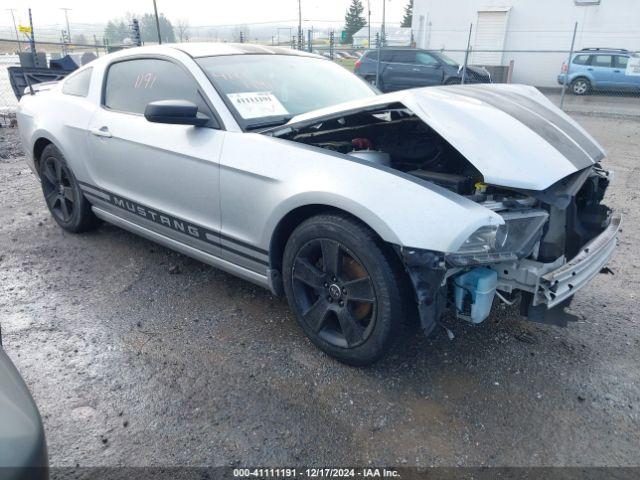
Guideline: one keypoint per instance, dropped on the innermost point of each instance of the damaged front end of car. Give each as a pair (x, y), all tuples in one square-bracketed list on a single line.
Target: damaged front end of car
[(552, 243), (508, 150)]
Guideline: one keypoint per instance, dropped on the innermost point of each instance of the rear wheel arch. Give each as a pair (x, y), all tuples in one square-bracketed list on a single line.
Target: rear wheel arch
[(38, 147)]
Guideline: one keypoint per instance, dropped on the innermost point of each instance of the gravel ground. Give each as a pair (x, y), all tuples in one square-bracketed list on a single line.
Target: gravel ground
[(140, 356)]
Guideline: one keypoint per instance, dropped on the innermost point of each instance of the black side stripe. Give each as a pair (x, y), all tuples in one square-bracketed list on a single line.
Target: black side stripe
[(580, 138), (556, 137), (179, 225)]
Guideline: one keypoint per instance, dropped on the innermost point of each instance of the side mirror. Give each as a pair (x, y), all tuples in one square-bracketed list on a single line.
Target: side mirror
[(176, 112)]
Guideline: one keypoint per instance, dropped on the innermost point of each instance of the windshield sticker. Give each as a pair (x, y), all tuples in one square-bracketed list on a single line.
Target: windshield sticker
[(256, 104)]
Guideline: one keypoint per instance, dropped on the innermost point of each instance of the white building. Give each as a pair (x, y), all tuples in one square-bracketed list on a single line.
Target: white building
[(525, 25), (396, 36)]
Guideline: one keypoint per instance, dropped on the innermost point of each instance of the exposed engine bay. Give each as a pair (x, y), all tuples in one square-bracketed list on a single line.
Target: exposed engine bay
[(543, 230)]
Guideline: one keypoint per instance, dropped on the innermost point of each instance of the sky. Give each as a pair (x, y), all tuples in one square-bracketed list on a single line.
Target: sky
[(196, 12)]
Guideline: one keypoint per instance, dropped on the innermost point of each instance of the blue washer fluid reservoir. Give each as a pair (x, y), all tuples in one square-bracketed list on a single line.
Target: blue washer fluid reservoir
[(474, 292)]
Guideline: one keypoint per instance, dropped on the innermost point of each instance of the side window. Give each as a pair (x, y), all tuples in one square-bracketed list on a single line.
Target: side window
[(581, 60), (404, 56), (132, 84), (78, 83), (601, 61), (426, 59), (620, 62), (386, 56)]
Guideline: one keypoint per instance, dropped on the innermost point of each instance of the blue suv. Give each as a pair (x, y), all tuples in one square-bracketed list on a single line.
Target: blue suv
[(599, 69)]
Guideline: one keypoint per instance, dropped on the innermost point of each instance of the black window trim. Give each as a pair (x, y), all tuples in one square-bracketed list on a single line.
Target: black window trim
[(616, 56), (76, 74), (601, 54), (215, 123)]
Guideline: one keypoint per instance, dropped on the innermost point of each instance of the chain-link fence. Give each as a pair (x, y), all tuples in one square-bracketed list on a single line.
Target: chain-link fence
[(11, 53), (590, 78), (575, 75)]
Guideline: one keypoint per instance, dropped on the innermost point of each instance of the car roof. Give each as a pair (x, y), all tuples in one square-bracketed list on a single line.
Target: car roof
[(596, 51), (211, 49)]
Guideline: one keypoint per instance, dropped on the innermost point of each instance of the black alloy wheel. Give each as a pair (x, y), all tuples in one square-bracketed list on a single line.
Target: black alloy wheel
[(68, 206), (58, 191), (347, 288), (334, 292)]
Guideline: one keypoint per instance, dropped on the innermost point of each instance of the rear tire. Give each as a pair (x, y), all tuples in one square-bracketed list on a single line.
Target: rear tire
[(62, 194), (580, 86), (345, 288)]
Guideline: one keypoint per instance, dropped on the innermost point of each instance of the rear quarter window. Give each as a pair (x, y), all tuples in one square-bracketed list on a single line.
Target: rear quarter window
[(620, 62), (581, 60), (77, 84)]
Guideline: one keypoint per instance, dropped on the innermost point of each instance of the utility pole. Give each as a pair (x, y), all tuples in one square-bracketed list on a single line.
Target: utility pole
[(15, 28), (32, 42), (66, 18), (466, 56), (155, 10), (369, 23), (383, 37), (566, 74), (299, 24)]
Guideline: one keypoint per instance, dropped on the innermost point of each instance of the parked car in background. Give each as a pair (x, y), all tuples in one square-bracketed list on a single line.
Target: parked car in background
[(23, 450), (599, 69), (402, 68)]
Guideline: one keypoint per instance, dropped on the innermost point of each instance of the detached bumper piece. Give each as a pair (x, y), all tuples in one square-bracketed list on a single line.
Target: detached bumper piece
[(560, 284)]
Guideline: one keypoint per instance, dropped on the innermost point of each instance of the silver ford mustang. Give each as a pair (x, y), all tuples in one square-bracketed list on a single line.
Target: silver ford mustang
[(368, 211)]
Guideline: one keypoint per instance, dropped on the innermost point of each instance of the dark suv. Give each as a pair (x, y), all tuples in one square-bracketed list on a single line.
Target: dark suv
[(402, 68)]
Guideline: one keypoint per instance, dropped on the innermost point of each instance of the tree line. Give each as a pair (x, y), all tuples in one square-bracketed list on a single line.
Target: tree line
[(117, 30)]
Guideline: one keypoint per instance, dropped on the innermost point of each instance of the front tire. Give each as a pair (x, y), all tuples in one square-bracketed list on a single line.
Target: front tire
[(344, 287), (62, 194)]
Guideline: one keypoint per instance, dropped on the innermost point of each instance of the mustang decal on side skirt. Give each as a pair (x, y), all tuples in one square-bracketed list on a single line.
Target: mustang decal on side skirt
[(169, 221)]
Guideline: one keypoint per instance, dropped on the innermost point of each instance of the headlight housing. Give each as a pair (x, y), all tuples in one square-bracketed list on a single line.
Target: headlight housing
[(491, 243)]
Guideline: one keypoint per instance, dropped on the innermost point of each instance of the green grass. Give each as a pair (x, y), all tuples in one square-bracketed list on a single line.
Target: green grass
[(348, 63)]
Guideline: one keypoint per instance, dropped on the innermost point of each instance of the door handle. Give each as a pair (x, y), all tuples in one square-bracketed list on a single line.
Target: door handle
[(415, 69), (101, 132), (590, 69), (616, 71)]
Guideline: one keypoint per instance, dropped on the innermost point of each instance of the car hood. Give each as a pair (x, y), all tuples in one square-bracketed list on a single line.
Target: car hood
[(512, 134)]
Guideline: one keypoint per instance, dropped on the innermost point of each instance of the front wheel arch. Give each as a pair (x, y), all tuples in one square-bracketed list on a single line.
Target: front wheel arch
[(289, 222)]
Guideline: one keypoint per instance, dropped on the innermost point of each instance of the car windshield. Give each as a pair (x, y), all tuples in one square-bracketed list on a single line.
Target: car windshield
[(268, 90), (445, 59)]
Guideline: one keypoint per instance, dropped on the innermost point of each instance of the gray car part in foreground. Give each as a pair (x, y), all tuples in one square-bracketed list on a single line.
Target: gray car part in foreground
[(23, 449)]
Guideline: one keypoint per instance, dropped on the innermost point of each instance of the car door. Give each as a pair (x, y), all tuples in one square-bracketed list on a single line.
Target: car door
[(399, 72), (601, 70), (431, 71), (162, 176)]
